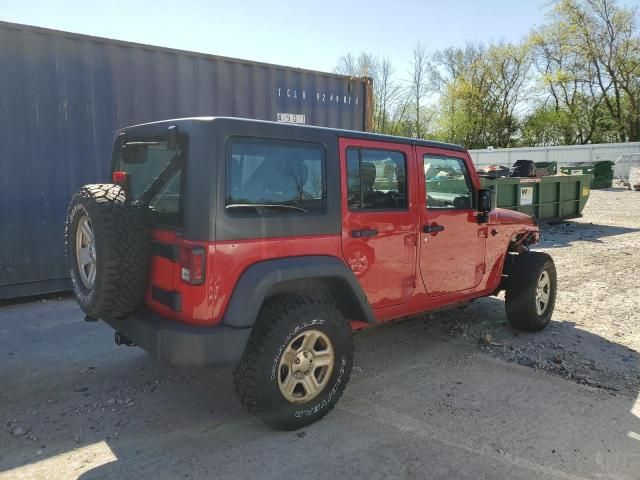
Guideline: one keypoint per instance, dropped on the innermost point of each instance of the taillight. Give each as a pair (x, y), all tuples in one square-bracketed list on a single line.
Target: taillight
[(192, 263), (119, 177), (122, 179)]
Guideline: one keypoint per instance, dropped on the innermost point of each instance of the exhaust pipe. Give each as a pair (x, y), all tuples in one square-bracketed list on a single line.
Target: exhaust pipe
[(122, 340)]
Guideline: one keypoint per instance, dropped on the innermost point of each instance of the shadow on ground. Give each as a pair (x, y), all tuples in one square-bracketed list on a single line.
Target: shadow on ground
[(562, 348), (566, 233), (422, 398)]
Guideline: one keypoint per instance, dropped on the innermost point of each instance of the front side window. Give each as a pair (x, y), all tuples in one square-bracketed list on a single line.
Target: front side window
[(448, 184), (269, 177), (376, 179)]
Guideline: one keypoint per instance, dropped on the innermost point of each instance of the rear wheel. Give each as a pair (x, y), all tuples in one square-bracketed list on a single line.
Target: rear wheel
[(297, 362), (531, 291), (107, 251)]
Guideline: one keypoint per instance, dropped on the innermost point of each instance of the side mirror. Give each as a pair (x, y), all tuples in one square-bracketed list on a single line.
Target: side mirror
[(484, 200), (484, 204)]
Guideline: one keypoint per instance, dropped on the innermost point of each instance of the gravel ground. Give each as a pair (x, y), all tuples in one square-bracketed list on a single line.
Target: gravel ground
[(595, 334), (456, 394)]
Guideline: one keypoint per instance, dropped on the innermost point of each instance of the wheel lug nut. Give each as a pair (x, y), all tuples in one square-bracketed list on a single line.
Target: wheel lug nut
[(297, 361)]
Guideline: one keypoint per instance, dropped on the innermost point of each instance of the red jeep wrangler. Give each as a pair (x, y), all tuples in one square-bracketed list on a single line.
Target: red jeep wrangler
[(266, 245)]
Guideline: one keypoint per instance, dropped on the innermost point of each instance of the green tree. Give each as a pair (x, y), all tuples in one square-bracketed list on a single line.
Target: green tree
[(589, 58), (481, 91), (547, 126), (389, 103), (575, 80)]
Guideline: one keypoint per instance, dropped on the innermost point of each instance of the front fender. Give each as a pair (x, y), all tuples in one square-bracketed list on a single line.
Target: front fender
[(502, 216), (511, 231)]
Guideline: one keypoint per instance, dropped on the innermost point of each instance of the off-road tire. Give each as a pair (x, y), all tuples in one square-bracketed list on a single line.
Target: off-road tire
[(121, 251), (279, 321), (521, 287)]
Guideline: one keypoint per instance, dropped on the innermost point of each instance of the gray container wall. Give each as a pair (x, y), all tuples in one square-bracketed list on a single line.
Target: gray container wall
[(63, 95)]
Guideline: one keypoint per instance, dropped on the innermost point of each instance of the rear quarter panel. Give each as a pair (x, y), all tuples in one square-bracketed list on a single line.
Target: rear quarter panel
[(231, 258)]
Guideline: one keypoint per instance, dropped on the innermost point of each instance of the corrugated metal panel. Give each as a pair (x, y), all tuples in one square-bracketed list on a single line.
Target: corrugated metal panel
[(63, 95), (624, 164), (563, 155)]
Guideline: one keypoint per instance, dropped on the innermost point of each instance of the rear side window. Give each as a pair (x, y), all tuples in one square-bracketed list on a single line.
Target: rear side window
[(377, 179), (272, 177), (155, 179), (448, 183)]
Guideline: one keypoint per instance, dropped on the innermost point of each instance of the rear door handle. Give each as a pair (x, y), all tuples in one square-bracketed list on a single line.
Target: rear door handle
[(433, 228), (364, 233)]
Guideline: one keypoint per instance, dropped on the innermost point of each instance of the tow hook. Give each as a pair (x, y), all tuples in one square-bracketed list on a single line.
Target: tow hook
[(122, 340)]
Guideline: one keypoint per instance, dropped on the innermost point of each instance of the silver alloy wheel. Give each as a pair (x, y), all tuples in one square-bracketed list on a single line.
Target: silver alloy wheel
[(86, 252), (306, 366), (543, 292)]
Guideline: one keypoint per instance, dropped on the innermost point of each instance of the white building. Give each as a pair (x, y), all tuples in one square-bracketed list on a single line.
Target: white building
[(624, 155)]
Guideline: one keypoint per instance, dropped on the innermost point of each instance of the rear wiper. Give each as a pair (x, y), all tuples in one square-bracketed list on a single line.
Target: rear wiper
[(267, 205), (167, 173)]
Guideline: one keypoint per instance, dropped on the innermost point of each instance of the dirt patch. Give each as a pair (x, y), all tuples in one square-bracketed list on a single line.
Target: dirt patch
[(430, 394), (595, 333)]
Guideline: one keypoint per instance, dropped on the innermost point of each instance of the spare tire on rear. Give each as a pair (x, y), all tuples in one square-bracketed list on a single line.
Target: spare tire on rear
[(107, 251)]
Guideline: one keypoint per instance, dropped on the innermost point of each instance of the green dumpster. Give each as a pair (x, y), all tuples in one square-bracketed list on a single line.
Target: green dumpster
[(602, 172), (547, 168), (549, 198)]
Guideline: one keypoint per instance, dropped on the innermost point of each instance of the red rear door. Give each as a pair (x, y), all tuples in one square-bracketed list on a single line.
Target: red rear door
[(452, 241), (379, 212)]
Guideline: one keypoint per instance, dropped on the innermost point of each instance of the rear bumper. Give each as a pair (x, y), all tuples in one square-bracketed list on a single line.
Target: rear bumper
[(182, 345)]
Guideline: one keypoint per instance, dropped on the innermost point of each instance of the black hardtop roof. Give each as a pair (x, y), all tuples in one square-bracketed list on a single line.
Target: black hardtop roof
[(356, 134), (341, 132)]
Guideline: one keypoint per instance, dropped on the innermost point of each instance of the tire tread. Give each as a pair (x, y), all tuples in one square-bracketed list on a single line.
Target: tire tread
[(521, 285), (121, 236), (271, 314)]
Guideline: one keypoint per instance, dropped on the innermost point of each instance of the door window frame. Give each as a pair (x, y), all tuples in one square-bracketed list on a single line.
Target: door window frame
[(407, 168), (407, 150), (469, 180)]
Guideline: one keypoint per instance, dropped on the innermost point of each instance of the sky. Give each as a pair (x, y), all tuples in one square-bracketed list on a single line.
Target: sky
[(300, 34)]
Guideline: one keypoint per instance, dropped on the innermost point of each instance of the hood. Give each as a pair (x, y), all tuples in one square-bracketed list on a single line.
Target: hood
[(506, 217)]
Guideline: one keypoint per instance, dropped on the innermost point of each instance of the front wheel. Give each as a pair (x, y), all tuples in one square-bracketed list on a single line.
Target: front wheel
[(297, 362), (531, 291)]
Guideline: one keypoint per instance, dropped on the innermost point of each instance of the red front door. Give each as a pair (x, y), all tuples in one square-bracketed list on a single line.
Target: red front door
[(379, 211), (452, 240)]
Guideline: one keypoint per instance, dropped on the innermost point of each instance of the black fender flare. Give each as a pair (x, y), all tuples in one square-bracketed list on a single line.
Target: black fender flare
[(258, 280)]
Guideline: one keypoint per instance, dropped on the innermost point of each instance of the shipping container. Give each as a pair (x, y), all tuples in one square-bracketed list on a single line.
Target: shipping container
[(549, 198), (601, 172), (63, 95)]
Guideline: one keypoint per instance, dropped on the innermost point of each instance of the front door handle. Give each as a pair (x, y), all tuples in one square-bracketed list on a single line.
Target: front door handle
[(433, 228), (364, 233)]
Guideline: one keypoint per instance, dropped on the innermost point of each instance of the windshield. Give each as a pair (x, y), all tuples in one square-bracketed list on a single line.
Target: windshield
[(155, 179)]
